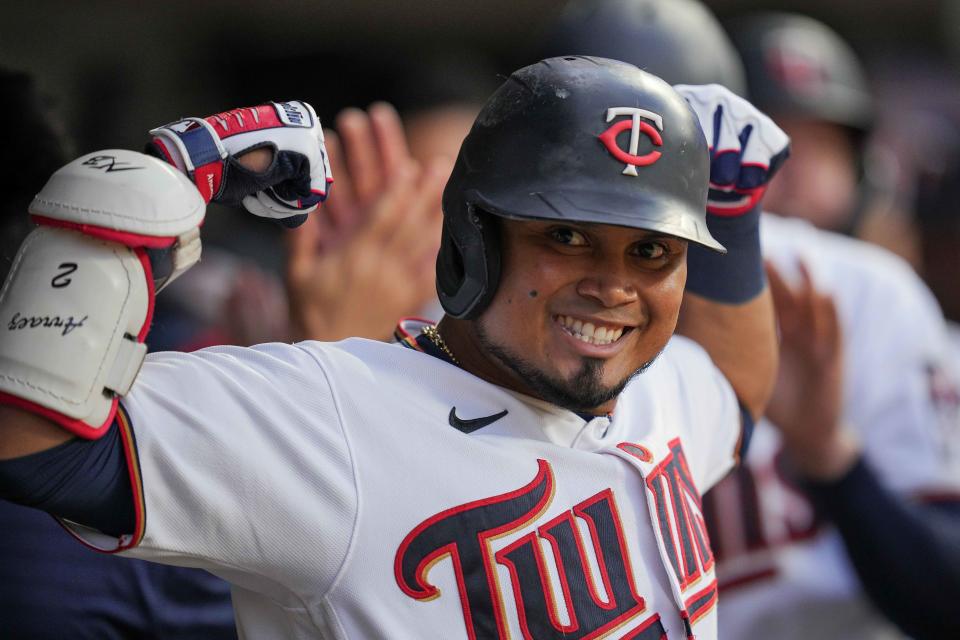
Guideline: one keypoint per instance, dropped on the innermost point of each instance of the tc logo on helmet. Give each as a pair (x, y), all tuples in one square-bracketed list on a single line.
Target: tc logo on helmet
[(636, 126)]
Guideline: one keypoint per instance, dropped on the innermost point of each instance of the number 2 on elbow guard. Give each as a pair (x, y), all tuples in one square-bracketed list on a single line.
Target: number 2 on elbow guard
[(61, 280)]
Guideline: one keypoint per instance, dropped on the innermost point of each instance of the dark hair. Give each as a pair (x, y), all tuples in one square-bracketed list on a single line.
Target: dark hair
[(34, 148)]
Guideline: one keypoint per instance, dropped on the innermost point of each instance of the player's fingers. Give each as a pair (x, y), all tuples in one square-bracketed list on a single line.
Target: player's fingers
[(420, 253), (829, 338), (360, 147), (783, 298), (807, 305), (416, 231), (391, 140), (388, 213), (340, 206), (303, 244), (426, 262)]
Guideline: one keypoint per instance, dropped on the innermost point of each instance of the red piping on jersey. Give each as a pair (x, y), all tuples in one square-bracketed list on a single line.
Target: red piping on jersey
[(136, 487)]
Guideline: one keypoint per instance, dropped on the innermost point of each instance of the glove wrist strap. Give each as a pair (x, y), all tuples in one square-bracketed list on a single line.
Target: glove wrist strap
[(193, 146)]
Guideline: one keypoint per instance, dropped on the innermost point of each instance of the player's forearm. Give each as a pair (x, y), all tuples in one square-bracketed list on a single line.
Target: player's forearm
[(741, 339), (907, 555), (23, 433), (728, 308)]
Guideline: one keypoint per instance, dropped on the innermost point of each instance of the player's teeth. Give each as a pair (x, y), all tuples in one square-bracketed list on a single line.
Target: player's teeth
[(587, 329), (589, 332)]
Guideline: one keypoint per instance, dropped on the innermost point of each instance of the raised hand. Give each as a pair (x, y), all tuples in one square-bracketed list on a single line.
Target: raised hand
[(370, 260), (808, 397), (746, 147)]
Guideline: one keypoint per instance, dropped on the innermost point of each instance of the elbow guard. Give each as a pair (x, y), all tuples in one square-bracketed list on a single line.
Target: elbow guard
[(115, 226)]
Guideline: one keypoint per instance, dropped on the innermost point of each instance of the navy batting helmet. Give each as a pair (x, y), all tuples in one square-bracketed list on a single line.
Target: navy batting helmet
[(573, 138)]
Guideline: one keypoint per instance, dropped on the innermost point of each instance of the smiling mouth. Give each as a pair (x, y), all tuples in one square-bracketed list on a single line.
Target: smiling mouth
[(592, 332)]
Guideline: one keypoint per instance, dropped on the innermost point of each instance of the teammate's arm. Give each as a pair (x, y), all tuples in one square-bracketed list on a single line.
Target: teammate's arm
[(727, 307), (906, 554)]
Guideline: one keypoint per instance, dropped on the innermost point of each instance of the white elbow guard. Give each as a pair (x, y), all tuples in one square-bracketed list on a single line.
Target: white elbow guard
[(76, 307)]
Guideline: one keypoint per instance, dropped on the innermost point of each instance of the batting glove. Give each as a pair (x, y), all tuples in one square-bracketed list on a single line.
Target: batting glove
[(206, 149), (746, 147)]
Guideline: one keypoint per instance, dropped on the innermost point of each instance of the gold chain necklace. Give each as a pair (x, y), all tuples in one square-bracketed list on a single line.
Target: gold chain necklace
[(434, 335)]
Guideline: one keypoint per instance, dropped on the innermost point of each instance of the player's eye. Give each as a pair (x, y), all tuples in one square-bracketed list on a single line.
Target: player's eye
[(568, 236), (651, 250)]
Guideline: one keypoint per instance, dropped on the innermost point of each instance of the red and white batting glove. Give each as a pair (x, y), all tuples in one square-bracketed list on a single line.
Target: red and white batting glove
[(206, 149), (746, 147)]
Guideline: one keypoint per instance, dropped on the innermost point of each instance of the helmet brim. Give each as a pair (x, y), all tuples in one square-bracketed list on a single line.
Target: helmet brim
[(651, 212)]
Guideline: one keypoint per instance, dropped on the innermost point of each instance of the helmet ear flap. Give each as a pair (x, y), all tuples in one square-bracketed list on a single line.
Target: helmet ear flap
[(468, 264)]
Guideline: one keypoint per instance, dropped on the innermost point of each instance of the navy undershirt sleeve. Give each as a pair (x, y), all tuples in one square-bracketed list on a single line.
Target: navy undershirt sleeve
[(907, 554), (84, 481), (736, 276)]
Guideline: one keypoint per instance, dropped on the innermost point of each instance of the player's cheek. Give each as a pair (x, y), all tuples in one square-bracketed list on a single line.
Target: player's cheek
[(661, 299)]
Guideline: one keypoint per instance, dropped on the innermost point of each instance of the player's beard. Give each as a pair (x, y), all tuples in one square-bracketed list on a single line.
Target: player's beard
[(582, 392)]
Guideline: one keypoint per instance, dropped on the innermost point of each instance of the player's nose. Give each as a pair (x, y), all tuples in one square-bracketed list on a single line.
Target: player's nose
[(609, 286)]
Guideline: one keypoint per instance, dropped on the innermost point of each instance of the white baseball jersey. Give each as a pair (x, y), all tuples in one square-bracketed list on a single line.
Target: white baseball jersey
[(784, 574), (326, 483)]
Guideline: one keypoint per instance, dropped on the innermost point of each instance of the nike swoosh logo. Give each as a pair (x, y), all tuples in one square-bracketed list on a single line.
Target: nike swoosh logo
[(469, 426)]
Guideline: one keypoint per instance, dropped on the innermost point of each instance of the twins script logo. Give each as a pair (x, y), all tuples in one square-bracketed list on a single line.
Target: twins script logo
[(637, 126), (599, 595)]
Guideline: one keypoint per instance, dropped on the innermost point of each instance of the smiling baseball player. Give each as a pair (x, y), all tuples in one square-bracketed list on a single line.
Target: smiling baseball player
[(531, 467), (843, 520)]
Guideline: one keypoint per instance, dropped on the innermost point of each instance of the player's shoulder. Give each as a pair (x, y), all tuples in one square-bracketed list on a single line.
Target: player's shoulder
[(798, 238), (359, 361), (847, 267)]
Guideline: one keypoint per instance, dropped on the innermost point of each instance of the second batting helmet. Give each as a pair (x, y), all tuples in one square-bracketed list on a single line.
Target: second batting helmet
[(574, 138), (679, 40), (798, 66)]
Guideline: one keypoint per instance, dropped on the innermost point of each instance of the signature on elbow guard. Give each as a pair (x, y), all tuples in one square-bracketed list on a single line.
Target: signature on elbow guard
[(68, 324)]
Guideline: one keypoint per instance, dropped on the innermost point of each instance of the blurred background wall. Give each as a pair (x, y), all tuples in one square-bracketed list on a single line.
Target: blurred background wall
[(110, 69), (113, 68)]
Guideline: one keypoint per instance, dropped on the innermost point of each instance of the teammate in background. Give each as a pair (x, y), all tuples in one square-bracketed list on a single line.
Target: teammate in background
[(437, 105), (884, 475), (40, 565), (936, 218), (370, 259), (531, 465), (812, 84)]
